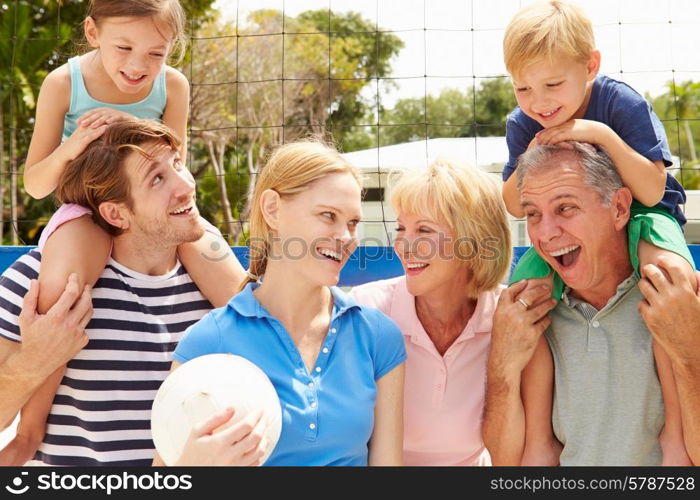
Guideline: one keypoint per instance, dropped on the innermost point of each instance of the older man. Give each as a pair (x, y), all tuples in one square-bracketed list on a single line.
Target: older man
[(608, 407), (137, 186)]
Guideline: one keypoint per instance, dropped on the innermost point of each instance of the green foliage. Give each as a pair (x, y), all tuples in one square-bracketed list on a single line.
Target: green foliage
[(689, 178), (253, 87), (348, 51), (477, 111), (36, 37), (679, 110), (239, 98)]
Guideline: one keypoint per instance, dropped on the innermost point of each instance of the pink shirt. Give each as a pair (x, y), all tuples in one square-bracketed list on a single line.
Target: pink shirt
[(443, 396)]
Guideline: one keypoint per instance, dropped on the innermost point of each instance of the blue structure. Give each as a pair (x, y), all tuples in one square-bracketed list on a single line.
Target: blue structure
[(365, 264)]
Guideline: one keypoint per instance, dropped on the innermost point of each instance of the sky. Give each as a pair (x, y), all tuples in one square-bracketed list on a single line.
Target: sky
[(456, 42)]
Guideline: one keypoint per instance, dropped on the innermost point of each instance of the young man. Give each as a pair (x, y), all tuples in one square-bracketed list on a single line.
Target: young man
[(138, 189)]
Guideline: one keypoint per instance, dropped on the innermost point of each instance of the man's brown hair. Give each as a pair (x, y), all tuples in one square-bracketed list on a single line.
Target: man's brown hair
[(98, 175)]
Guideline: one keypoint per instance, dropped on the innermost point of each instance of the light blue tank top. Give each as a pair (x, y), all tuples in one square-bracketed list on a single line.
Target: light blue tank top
[(81, 102)]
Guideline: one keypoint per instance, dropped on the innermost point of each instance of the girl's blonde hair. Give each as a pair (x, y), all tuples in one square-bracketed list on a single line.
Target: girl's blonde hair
[(165, 13), (545, 30), (468, 200), (290, 169)]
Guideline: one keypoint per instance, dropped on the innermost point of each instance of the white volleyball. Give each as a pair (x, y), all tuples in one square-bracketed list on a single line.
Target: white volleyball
[(207, 385)]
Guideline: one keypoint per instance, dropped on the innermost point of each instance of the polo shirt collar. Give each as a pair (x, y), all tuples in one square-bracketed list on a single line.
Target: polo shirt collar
[(403, 302), (576, 303), (245, 303)]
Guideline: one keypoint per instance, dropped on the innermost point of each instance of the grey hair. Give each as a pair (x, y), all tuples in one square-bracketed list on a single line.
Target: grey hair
[(599, 172)]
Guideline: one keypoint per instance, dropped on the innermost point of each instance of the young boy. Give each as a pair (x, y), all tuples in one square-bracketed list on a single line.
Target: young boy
[(550, 53)]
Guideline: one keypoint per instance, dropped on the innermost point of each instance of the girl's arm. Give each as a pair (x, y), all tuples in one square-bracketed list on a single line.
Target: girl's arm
[(32, 424), (386, 444), (47, 157), (213, 267), (177, 107), (48, 342)]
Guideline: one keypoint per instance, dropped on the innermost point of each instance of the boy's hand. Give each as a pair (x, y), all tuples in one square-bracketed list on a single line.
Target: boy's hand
[(533, 143), (574, 130), (79, 140), (102, 116)]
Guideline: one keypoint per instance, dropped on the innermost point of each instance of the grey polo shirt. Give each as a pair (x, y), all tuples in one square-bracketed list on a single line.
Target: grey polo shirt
[(608, 408)]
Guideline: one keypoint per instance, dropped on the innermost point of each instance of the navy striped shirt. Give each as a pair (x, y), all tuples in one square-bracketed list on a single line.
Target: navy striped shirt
[(101, 414)]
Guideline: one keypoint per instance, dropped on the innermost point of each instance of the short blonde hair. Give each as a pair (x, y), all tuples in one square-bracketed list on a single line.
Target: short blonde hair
[(468, 200), (290, 169), (544, 30)]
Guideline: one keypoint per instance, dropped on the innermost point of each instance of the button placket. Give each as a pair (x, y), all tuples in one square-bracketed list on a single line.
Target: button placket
[(440, 382), (312, 409), (324, 355), (313, 385), (596, 336)]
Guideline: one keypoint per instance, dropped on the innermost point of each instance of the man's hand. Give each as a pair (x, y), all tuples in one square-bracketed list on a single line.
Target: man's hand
[(519, 321), (217, 441), (671, 311), (574, 130), (51, 340)]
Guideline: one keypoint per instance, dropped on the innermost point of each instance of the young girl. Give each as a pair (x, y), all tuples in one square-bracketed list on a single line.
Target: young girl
[(336, 366), (123, 75)]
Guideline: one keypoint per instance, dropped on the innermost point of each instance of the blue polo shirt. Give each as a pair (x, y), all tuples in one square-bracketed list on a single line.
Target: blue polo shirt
[(328, 414)]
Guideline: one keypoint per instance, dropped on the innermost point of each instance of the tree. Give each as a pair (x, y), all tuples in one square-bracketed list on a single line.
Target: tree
[(494, 100), (480, 111), (260, 88), (678, 109), (36, 37), (30, 47), (445, 115), (686, 98)]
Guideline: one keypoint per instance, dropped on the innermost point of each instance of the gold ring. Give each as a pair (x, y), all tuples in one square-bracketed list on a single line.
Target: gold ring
[(524, 303)]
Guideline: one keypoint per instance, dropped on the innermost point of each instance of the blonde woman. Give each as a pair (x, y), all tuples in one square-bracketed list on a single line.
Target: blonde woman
[(337, 366), (453, 240)]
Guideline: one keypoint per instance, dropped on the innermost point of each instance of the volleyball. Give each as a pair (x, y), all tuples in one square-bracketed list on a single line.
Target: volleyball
[(207, 385)]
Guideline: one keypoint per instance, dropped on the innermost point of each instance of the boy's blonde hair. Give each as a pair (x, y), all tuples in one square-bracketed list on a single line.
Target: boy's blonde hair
[(545, 30), (468, 200)]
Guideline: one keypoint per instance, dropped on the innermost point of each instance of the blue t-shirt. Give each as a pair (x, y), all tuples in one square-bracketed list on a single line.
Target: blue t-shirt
[(328, 414), (632, 118)]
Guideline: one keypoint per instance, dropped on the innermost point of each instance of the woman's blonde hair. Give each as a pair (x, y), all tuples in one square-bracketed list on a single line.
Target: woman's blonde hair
[(545, 30), (468, 200), (290, 169)]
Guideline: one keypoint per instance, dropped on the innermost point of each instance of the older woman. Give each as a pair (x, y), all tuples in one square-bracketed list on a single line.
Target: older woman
[(453, 240)]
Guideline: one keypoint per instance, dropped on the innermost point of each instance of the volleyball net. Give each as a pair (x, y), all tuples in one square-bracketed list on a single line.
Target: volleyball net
[(396, 84)]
